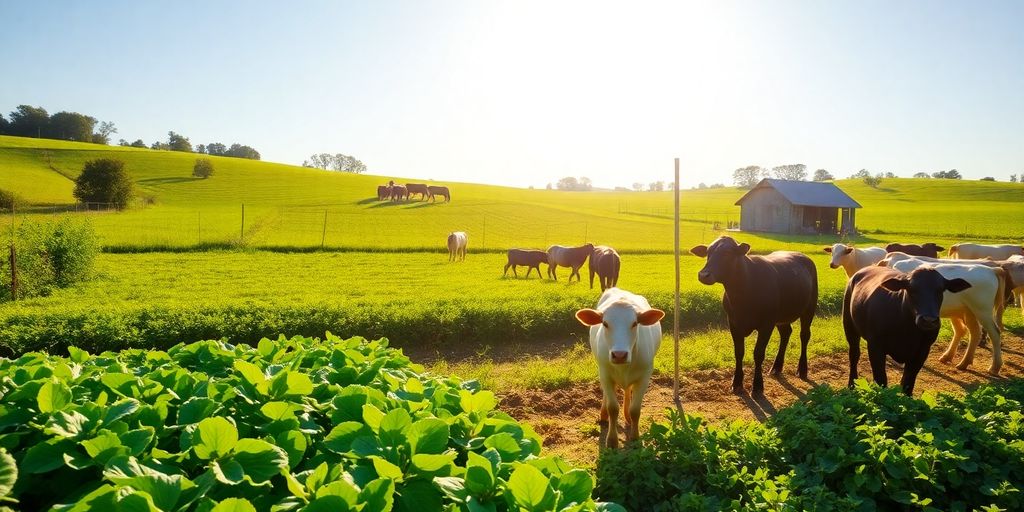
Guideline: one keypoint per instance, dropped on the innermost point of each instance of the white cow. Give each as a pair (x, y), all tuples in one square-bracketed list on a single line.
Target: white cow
[(625, 333), (973, 309), (457, 242), (979, 251), (853, 259)]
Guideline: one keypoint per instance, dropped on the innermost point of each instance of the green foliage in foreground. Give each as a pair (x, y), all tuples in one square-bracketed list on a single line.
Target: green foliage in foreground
[(866, 448), (50, 255), (294, 424)]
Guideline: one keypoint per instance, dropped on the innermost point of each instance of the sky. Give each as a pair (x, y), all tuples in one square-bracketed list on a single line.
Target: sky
[(524, 93)]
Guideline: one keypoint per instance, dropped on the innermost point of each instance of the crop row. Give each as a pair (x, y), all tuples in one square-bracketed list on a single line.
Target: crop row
[(297, 424)]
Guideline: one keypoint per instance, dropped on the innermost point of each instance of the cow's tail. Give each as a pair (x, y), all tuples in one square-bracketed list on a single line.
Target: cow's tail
[(954, 251), (1005, 287)]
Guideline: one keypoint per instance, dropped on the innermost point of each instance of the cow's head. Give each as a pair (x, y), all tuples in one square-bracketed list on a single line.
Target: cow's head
[(839, 251), (924, 287), (932, 247), (618, 326), (722, 255)]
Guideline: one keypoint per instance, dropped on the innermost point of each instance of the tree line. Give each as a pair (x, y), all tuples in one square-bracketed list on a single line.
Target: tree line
[(751, 175), (335, 162)]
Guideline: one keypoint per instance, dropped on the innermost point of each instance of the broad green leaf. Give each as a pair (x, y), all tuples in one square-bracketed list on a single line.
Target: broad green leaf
[(120, 409), (429, 435), (475, 505), (165, 490), (136, 501), (531, 489), (8, 473), (393, 426), (609, 507), (317, 478), (505, 444), (294, 444), (298, 384), (479, 480), (137, 440), (234, 505), (120, 383), (342, 489), (279, 410), (103, 498), (372, 416), (451, 486), (575, 486), (67, 424), (250, 372), (386, 469), (260, 459), (328, 504), (196, 409), (228, 471), (53, 396), (433, 464), (378, 495), (266, 347), (214, 438), (339, 440), (480, 402), (104, 446), (77, 355)]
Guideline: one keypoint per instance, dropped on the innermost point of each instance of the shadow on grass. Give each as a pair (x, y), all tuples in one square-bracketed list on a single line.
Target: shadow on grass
[(165, 181)]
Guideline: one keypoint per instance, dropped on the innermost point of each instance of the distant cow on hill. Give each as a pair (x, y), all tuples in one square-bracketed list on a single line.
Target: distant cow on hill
[(399, 193), (604, 262), (530, 258), (418, 188), (383, 192), (457, 242), (572, 257), (439, 191), (928, 250)]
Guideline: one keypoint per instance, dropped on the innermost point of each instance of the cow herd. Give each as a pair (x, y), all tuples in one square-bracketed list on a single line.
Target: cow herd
[(395, 192), (604, 262), (895, 299)]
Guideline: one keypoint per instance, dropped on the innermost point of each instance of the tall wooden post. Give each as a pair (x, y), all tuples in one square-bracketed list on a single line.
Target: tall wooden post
[(675, 317), (14, 272), (241, 236), (323, 238)]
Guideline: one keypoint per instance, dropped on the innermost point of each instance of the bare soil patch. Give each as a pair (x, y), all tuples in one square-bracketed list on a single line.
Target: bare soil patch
[(567, 418)]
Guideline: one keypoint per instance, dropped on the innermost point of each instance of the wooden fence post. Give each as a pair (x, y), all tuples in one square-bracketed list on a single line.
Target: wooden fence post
[(14, 273)]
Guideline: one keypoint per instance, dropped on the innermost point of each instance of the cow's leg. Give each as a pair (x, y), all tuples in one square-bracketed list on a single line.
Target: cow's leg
[(911, 370), (877, 357), (959, 329), (763, 335), (505, 273), (973, 337), (805, 338), (637, 390), (627, 395), (592, 279), (785, 330), (611, 403), (737, 351)]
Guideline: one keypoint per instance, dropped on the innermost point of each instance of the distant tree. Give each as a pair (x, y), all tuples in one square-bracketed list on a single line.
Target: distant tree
[(160, 145), (319, 161), (922, 175), (873, 181), (3, 125), (28, 121), (861, 174), (1013, 178), (618, 189), (548, 187), (951, 174), (717, 185), (10, 200), (122, 143), (203, 168), (177, 142), (656, 186), (71, 126), (823, 175), (103, 133), (568, 183), (794, 172), (639, 187), (889, 174), (241, 151), (585, 183), (987, 178), (747, 177), (138, 144), (701, 186), (216, 149), (346, 163), (200, 149), (104, 181)]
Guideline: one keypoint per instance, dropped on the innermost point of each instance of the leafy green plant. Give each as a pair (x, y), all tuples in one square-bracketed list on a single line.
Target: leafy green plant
[(54, 254), (292, 424)]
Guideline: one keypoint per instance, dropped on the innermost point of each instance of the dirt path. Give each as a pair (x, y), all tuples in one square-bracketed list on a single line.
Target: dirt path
[(567, 417)]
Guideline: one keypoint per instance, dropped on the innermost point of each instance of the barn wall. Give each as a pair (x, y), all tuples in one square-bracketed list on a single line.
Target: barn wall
[(765, 209)]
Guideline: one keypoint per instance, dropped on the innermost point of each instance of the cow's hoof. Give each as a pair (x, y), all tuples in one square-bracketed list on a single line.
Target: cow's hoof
[(802, 373), (737, 389), (946, 359), (775, 372), (993, 371), (963, 366)]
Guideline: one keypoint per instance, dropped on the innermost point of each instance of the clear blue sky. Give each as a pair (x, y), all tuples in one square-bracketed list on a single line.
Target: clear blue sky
[(523, 93)]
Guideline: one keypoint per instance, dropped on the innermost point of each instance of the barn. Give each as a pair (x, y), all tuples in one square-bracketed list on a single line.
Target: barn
[(797, 207)]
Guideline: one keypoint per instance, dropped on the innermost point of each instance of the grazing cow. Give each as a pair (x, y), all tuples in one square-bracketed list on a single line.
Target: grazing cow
[(898, 314), (418, 188), (604, 262), (399, 193), (762, 293), (457, 242), (439, 191), (853, 259), (973, 310), (530, 258), (980, 251), (625, 333), (928, 250), (383, 192), (572, 257)]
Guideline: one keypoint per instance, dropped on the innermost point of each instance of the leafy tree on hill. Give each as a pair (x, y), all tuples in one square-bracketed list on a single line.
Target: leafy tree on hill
[(337, 162), (794, 172), (241, 151), (177, 142), (104, 181), (988, 178), (860, 175), (823, 175), (203, 168), (216, 149), (568, 183), (951, 174), (103, 132), (29, 121), (3, 125), (922, 175), (747, 177), (1013, 178), (873, 181), (71, 126), (639, 187), (657, 186)]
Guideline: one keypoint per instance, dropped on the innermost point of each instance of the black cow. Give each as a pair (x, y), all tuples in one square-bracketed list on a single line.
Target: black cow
[(604, 262), (762, 293), (928, 250), (898, 314), (530, 258)]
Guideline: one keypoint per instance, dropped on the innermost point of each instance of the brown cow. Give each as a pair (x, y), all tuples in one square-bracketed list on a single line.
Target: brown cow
[(418, 188), (530, 258), (383, 192), (572, 257), (399, 193), (439, 191), (928, 250), (604, 262)]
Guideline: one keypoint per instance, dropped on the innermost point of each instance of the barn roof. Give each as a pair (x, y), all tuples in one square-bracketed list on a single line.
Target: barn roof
[(806, 193)]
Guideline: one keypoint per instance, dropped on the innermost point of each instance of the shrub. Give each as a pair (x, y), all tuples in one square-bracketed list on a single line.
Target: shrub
[(10, 200), (203, 168), (51, 255), (104, 181)]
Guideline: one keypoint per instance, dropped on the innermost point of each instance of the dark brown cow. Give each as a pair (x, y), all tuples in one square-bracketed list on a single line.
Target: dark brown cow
[(762, 293), (898, 314), (530, 258), (572, 257), (383, 192), (928, 250), (399, 193), (604, 262), (418, 188), (439, 191)]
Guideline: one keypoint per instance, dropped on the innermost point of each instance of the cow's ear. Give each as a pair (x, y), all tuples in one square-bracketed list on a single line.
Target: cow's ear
[(848, 250), (939, 248), (589, 317), (957, 285), (895, 284), (743, 248), (700, 250), (827, 249), (650, 317)]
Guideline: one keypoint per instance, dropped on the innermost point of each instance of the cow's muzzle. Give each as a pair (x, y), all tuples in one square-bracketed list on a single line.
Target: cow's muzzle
[(833, 265), (930, 323), (705, 277), (620, 357)]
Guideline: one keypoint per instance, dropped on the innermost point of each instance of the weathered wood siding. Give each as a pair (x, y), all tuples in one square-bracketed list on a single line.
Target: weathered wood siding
[(765, 209)]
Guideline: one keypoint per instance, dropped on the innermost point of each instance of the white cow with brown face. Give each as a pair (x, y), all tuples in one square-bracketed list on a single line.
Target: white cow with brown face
[(853, 259), (625, 334)]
